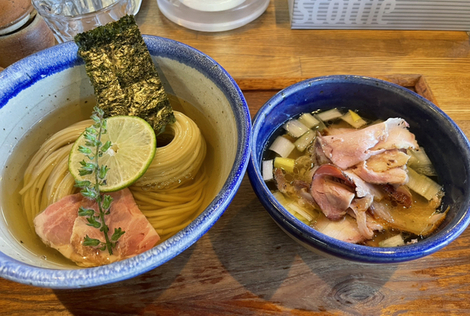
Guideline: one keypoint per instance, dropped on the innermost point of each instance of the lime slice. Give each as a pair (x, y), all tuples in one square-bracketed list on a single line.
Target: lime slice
[(132, 151)]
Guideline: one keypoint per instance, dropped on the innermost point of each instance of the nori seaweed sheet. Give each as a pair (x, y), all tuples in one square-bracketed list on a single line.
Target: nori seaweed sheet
[(123, 74)]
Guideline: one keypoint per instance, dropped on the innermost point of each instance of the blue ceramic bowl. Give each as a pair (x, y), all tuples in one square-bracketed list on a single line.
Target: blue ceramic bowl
[(43, 84), (446, 145)]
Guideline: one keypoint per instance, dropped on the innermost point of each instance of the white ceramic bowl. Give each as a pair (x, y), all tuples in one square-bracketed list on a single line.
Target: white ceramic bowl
[(41, 85)]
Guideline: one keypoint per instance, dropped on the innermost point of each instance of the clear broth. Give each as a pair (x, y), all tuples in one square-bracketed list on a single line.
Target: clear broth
[(11, 204)]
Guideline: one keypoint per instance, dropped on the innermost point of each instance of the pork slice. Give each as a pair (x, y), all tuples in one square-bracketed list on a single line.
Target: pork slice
[(60, 227), (348, 149), (333, 130), (55, 223), (352, 147), (400, 194), (359, 207), (316, 151), (395, 176), (399, 137), (381, 210), (332, 196), (389, 159), (363, 188)]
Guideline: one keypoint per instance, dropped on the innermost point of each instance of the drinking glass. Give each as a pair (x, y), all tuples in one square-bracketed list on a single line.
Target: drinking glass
[(67, 18)]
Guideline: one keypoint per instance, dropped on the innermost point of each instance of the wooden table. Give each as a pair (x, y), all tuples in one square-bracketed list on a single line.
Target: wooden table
[(245, 265)]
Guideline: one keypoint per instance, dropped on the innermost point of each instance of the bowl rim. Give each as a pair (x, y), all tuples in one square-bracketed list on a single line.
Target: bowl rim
[(26, 72), (311, 237)]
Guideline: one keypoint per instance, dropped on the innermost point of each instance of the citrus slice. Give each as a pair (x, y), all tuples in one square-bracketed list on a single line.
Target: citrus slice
[(131, 153)]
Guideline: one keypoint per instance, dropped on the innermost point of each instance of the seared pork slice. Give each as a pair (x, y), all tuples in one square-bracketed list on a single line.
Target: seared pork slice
[(317, 153), (331, 191), (60, 227), (348, 149), (389, 159), (395, 176), (400, 194), (363, 188), (398, 136), (360, 207)]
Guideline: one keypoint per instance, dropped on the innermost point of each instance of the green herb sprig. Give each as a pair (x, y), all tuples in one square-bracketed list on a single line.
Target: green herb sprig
[(93, 150)]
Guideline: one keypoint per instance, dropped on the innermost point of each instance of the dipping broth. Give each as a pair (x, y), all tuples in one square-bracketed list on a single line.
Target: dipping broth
[(353, 178)]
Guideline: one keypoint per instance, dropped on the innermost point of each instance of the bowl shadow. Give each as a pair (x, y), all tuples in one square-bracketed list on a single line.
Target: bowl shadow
[(125, 297), (249, 248), (273, 267)]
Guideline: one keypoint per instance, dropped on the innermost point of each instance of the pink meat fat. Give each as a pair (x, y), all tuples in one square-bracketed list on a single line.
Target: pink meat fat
[(60, 227), (348, 149)]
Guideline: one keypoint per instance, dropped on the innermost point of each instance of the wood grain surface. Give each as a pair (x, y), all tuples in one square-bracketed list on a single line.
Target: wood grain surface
[(245, 265)]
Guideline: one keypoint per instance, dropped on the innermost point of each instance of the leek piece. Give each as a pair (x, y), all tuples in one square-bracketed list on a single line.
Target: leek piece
[(422, 185), (301, 218), (268, 170), (305, 140), (308, 120), (294, 209), (280, 197), (300, 210), (286, 164), (320, 127), (421, 163), (353, 119), (329, 115), (295, 128), (394, 241), (282, 146)]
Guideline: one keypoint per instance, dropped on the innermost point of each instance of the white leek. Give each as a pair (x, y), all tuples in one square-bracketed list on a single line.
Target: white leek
[(267, 170), (305, 140), (295, 210), (394, 241), (422, 185), (308, 120), (295, 128), (421, 163), (293, 207), (329, 115), (282, 146)]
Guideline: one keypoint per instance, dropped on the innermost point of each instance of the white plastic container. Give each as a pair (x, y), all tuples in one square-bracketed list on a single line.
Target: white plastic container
[(212, 15)]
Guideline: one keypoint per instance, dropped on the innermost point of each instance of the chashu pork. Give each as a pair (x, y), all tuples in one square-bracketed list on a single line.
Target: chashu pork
[(60, 227)]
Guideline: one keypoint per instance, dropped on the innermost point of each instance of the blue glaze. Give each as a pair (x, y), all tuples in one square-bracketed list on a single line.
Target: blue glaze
[(446, 146), (26, 72)]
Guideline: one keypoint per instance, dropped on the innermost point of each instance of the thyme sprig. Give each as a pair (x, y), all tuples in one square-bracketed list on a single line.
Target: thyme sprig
[(93, 150)]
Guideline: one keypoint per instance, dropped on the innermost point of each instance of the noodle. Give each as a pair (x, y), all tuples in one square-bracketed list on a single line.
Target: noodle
[(170, 193), (178, 161)]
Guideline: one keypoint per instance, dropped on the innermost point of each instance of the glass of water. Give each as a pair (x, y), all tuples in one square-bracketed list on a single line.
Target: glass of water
[(67, 18)]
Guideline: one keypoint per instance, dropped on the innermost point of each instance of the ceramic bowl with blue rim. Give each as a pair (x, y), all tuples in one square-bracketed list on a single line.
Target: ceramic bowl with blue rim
[(445, 144), (45, 84)]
